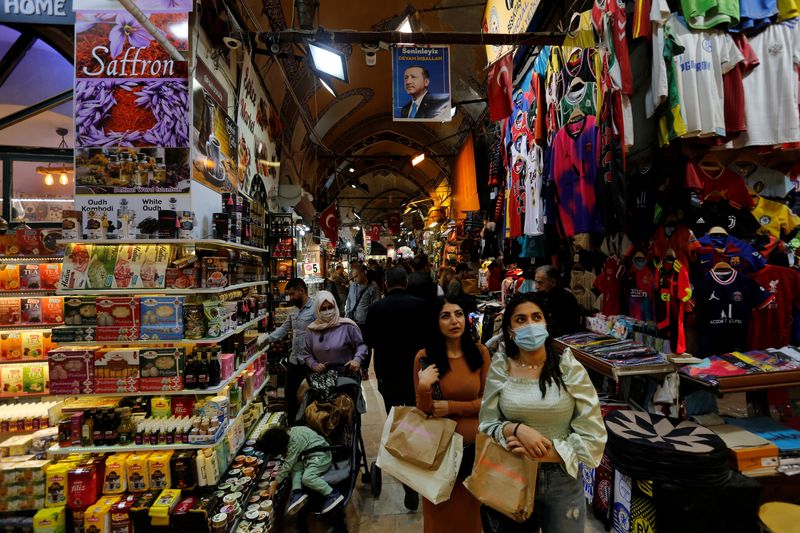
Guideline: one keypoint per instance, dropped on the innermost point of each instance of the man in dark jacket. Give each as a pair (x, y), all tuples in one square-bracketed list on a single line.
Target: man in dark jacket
[(395, 330), (564, 309), (420, 282)]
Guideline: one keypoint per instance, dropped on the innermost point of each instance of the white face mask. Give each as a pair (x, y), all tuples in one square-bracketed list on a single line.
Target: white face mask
[(328, 315)]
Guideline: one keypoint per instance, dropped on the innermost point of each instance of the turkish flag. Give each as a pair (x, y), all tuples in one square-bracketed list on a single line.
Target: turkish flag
[(393, 223), (499, 88), (329, 223), (375, 232)]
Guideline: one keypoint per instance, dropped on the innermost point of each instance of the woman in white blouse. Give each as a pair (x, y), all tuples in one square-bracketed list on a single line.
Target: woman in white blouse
[(542, 404)]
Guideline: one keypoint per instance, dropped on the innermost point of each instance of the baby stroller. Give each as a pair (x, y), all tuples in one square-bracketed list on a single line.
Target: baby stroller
[(346, 445)]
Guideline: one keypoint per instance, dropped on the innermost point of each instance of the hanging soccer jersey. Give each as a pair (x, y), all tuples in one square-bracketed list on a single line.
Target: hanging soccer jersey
[(765, 181), (610, 20), (609, 283), (706, 57), (705, 14), (674, 293), (534, 203), (725, 301), (718, 184), (776, 219), (573, 166), (671, 124), (788, 9), (677, 237), (771, 325), (516, 186), (771, 93), (741, 256), (755, 14), (639, 288)]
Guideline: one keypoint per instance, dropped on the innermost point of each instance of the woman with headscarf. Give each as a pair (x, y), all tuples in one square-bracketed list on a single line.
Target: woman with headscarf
[(332, 340)]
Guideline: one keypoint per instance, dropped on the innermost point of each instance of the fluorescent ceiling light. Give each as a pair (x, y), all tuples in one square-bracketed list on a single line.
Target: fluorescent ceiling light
[(358, 217), (328, 61), (405, 26), (328, 87), (418, 159), (453, 111), (351, 169), (353, 185)]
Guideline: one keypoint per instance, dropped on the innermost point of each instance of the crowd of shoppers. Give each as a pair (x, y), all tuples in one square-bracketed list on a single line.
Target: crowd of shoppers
[(532, 400)]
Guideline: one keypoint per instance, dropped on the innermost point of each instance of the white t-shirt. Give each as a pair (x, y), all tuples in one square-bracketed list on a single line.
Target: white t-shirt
[(770, 89), (534, 204), (659, 13), (775, 183), (707, 56)]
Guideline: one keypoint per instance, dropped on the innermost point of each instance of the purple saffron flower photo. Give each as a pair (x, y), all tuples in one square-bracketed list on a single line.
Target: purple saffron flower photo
[(127, 29)]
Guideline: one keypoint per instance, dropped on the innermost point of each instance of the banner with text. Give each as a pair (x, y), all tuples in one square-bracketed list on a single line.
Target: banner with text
[(131, 114), (502, 16), (256, 149), (421, 83), (37, 12)]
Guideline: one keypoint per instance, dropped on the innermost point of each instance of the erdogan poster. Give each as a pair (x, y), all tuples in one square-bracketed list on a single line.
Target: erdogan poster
[(421, 83)]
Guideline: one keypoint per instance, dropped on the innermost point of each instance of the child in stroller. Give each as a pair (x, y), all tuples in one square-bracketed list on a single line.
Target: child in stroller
[(306, 469)]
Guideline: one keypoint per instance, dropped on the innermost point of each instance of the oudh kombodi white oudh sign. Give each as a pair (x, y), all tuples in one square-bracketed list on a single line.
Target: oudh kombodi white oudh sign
[(131, 113)]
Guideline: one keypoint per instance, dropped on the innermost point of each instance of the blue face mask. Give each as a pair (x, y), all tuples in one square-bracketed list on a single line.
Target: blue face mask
[(530, 337)]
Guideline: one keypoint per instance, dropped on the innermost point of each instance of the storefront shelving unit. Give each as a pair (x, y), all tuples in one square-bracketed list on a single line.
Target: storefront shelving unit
[(198, 243), (615, 372), (750, 382), (57, 450), (165, 292)]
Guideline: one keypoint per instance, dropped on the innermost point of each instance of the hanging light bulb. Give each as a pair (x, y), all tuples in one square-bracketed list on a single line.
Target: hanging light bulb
[(48, 179), (63, 179)]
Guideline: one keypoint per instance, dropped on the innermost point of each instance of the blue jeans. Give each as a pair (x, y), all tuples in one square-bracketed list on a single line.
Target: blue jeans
[(559, 506)]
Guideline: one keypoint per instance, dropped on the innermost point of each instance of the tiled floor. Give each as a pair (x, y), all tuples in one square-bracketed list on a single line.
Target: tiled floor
[(386, 514)]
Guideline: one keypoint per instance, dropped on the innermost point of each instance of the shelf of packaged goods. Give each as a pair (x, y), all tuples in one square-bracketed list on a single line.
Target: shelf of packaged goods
[(750, 382), (22, 361), (24, 395), (198, 243), (32, 259), (169, 292), (58, 450), (607, 369), (188, 392), (7, 327), (217, 340), (23, 292)]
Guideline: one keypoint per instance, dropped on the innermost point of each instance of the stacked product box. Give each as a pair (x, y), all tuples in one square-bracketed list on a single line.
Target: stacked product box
[(116, 370), (162, 318), (71, 370), (118, 318)]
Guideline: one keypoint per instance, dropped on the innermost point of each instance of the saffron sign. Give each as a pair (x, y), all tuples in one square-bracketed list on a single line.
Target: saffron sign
[(131, 115)]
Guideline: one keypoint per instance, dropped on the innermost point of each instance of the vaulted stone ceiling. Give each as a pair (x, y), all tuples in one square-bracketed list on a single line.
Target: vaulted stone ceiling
[(355, 130)]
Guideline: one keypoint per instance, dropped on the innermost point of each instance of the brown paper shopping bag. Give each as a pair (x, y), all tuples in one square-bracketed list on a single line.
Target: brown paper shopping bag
[(503, 481), (417, 439)]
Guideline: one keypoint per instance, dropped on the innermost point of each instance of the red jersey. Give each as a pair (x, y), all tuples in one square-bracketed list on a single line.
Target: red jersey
[(641, 20), (723, 184), (734, 90), (609, 20), (609, 283), (771, 326), (674, 293), (680, 238)]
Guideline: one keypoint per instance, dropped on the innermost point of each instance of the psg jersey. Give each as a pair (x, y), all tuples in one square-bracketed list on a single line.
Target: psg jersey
[(725, 302)]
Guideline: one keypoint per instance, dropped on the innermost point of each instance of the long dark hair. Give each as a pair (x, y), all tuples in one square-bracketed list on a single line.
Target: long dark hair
[(551, 370), (436, 347)]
